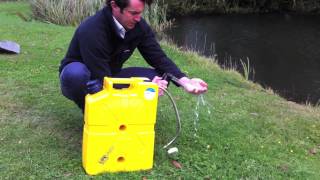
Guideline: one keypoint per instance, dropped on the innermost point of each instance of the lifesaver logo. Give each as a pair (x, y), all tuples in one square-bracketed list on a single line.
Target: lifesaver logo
[(149, 93)]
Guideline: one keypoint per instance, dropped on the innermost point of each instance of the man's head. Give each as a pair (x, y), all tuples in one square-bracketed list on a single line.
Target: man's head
[(127, 12)]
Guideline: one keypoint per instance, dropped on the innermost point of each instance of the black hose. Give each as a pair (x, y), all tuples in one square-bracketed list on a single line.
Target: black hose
[(178, 130)]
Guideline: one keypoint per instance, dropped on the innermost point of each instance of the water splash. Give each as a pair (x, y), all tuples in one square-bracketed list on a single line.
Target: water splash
[(200, 102)]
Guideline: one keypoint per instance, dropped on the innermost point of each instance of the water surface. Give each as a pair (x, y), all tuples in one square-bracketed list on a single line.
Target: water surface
[(283, 49)]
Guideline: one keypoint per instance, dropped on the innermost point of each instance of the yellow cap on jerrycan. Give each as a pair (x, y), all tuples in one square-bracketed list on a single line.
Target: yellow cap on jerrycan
[(118, 133)]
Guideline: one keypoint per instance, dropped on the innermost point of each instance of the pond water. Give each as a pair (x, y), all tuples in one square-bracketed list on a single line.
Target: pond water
[(283, 49)]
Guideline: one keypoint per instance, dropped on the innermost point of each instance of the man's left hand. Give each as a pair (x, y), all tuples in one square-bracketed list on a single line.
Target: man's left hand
[(194, 85)]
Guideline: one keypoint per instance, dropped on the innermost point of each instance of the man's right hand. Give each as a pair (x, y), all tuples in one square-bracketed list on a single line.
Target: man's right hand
[(163, 84)]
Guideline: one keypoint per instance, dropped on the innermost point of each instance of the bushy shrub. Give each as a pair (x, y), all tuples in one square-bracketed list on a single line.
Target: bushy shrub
[(182, 7)]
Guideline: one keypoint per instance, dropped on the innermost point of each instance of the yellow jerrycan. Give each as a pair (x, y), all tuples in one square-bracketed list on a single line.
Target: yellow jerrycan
[(118, 133)]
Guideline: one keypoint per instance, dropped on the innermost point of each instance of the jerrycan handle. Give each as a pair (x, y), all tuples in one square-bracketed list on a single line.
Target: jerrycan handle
[(132, 82)]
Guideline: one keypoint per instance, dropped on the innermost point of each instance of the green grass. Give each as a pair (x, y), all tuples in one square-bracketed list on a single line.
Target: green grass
[(250, 133)]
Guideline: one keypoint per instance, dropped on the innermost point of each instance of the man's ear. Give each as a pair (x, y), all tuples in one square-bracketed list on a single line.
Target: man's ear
[(113, 4)]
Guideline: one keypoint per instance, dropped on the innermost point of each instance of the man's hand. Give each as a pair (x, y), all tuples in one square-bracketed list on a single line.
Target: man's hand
[(194, 85), (161, 83)]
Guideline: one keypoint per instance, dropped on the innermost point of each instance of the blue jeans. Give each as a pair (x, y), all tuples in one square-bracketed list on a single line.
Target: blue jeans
[(75, 76)]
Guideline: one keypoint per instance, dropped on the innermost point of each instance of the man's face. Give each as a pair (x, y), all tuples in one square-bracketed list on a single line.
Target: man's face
[(130, 15)]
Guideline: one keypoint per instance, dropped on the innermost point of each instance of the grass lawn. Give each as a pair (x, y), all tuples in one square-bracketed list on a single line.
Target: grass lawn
[(250, 133)]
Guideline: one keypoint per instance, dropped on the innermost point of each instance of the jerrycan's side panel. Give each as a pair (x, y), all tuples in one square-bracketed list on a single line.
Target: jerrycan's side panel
[(119, 127)]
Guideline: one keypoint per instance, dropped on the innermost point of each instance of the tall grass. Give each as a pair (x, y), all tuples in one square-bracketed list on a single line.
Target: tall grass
[(64, 12), (72, 12), (156, 16), (247, 70)]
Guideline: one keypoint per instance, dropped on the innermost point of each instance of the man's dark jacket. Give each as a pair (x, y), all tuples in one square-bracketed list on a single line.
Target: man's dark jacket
[(97, 44)]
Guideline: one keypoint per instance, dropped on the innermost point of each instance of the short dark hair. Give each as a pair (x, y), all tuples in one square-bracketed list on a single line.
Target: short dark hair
[(125, 3)]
